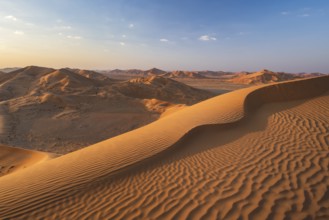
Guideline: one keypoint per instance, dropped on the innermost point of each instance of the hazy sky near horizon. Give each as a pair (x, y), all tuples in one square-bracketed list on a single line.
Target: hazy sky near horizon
[(234, 35)]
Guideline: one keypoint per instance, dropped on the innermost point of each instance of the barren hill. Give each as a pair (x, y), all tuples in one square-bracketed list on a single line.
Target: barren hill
[(184, 74), (55, 110), (161, 88), (309, 75), (154, 72), (132, 73), (90, 74), (9, 69), (263, 76)]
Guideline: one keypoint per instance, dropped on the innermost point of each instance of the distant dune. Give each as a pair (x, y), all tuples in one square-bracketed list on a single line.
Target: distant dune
[(266, 76), (184, 74), (244, 78), (255, 153), (161, 88), (91, 74), (9, 69), (154, 72), (56, 110), (263, 76), (132, 73)]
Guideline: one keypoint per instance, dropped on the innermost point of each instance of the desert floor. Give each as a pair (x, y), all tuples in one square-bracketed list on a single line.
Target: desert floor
[(260, 152)]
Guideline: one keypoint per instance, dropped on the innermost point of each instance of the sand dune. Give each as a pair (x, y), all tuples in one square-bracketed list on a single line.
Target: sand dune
[(244, 77), (177, 74), (184, 74), (154, 72), (163, 89), (260, 152), (55, 110), (91, 74), (14, 159), (263, 76)]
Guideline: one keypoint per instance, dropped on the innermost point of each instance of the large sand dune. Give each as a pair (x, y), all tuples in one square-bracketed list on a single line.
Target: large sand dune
[(257, 153)]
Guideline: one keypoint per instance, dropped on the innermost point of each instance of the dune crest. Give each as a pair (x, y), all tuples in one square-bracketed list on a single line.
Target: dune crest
[(254, 153)]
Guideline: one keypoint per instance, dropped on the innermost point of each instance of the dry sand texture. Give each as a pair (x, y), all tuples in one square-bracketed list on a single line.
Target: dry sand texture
[(256, 153), (14, 159)]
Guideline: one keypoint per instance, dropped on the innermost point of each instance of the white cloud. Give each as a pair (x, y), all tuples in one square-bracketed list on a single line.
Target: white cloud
[(19, 32), (29, 24), (64, 27), (74, 37), (284, 13), (242, 33), (124, 36), (207, 38), (164, 40), (122, 43), (131, 26), (306, 15), (11, 17)]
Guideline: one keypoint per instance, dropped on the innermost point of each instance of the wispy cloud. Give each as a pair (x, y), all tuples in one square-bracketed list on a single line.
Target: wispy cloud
[(305, 15), (63, 27), (305, 12), (74, 37), (122, 43), (131, 25), (164, 40), (243, 33), (11, 17), (207, 38), (19, 33)]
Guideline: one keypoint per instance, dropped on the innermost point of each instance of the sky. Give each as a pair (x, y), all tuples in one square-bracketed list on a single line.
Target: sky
[(228, 35)]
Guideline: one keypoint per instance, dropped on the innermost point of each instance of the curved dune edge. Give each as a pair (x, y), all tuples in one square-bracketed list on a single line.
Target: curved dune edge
[(15, 159), (58, 176)]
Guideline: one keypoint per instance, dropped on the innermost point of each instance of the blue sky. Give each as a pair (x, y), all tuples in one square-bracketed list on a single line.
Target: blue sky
[(234, 35)]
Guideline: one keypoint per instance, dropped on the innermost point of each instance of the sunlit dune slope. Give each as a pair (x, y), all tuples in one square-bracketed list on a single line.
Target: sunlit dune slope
[(256, 153), (14, 159)]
